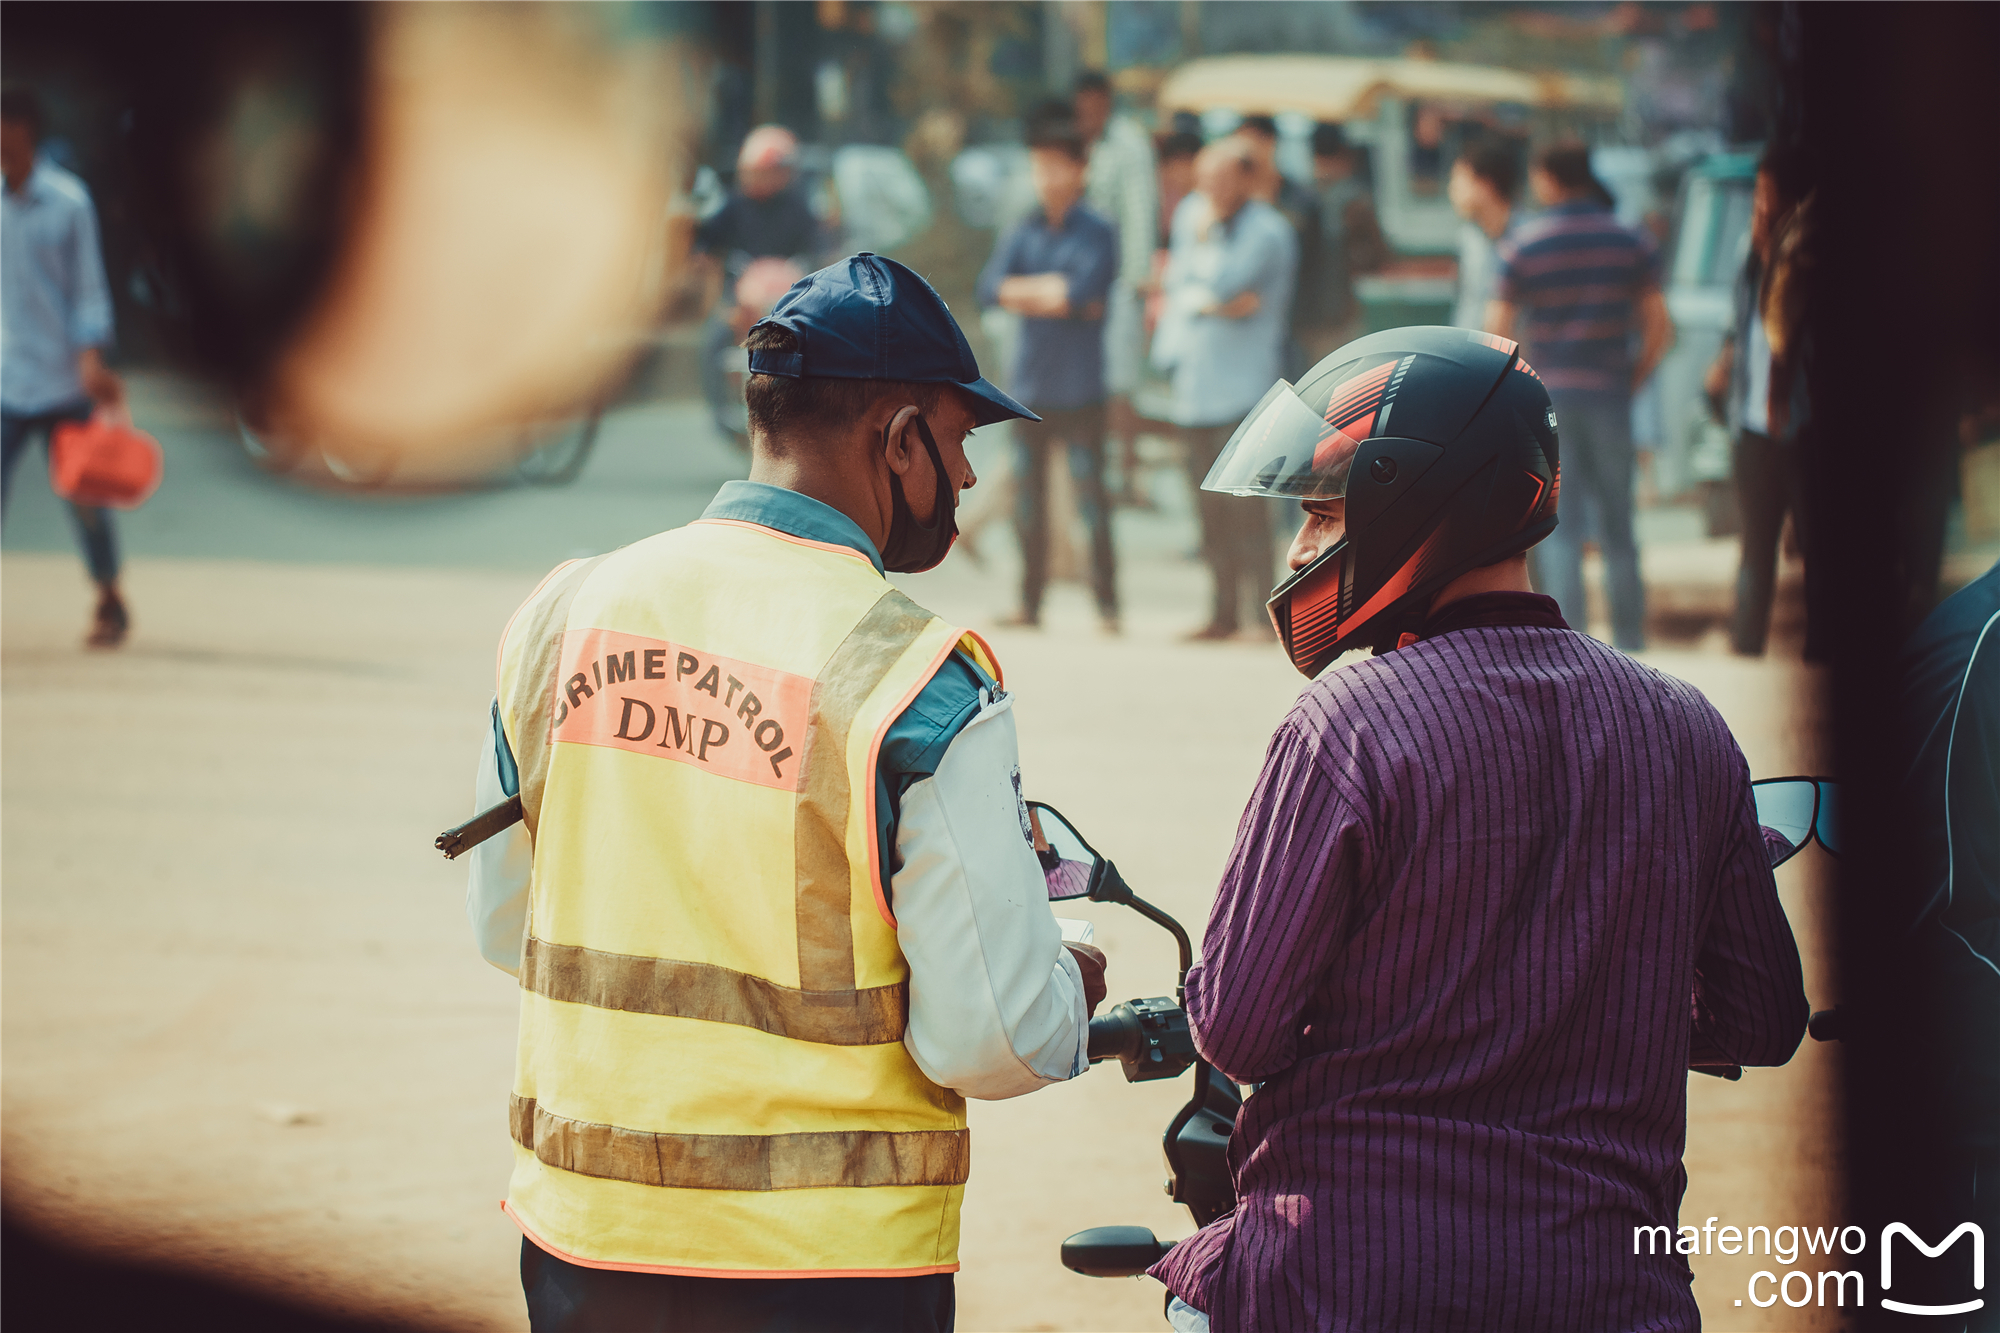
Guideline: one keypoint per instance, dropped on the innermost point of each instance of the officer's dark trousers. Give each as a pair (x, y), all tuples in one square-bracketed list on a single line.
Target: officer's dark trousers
[(1082, 429), (568, 1298), (1235, 533), (1767, 486)]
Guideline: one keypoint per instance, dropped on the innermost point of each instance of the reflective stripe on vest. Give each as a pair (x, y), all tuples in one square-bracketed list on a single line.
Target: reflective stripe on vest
[(713, 998), (702, 990), (842, 1158)]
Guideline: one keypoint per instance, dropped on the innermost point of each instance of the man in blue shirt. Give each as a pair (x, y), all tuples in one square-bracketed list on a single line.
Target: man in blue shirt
[(1231, 271), (55, 310), (1055, 269)]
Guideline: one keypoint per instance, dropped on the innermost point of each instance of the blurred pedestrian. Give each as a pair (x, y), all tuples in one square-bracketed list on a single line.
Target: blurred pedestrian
[(1299, 204), (1056, 269), (1223, 331), (1579, 286), (725, 363), (1350, 244), (55, 309), (767, 214), (1483, 184), (1122, 187), (1176, 152), (1766, 454)]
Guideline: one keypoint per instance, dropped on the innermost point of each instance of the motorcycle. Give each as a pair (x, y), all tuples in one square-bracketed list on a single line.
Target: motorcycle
[(1151, 1038)]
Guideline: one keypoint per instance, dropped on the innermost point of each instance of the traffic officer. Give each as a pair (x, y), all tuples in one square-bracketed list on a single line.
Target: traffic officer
[(773, 906)]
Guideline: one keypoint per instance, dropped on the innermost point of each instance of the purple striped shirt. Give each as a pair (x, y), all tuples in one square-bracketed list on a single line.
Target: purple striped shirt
[(1577, 273), (1491, 894)]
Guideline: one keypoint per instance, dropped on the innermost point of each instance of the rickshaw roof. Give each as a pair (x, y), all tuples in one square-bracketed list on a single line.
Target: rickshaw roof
[(1348, 87)]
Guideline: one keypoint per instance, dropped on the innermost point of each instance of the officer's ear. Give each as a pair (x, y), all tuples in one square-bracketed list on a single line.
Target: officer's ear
[(901, 446)]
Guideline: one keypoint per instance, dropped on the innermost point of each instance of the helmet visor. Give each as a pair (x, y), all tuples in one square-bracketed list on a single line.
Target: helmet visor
[(1284, 448)]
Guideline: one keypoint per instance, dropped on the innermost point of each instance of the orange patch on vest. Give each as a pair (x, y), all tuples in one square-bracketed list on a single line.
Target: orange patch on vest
[(652, 697)]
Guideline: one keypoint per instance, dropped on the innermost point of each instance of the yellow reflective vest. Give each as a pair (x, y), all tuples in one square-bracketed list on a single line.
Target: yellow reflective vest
[(711, 1077)]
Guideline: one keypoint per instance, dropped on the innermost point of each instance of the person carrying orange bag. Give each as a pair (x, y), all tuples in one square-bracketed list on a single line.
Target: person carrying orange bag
[(105, 462), (55, 314)]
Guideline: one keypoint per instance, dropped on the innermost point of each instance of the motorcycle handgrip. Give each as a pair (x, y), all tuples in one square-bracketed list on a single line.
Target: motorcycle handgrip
[(1114, 1035)]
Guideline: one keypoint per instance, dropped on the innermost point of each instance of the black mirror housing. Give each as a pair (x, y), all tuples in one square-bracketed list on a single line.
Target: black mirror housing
[(1113, 1251)]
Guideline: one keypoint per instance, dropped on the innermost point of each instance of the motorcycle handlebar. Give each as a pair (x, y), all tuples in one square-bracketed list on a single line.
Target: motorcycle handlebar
[(1149, 1037)]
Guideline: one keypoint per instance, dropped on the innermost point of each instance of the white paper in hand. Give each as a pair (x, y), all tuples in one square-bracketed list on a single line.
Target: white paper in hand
[(1075, 931)]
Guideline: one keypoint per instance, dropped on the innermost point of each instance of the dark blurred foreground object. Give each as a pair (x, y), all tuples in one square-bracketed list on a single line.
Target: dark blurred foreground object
[(51, 1288), (1906, 282), (398, 226)]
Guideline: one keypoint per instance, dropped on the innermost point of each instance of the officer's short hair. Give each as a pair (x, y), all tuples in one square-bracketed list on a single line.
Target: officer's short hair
[(23, 107), (781, 404)]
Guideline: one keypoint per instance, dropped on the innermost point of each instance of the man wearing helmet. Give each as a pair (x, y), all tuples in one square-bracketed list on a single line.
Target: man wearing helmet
[(1499, 886)]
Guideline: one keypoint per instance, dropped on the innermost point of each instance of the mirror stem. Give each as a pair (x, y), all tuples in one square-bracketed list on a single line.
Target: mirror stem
[(1152, 913)]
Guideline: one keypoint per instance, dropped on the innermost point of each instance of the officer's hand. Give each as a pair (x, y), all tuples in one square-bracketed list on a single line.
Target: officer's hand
[(1089, 961)]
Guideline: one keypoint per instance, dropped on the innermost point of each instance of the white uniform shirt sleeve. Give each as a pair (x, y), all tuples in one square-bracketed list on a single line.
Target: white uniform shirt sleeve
[(996, 1001), (496, 889)]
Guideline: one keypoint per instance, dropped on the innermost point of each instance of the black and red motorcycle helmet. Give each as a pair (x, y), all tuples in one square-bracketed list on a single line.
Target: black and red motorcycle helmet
[(1443, 443)]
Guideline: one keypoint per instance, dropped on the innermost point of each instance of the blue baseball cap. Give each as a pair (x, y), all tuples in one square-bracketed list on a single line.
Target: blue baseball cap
[(870, 318)]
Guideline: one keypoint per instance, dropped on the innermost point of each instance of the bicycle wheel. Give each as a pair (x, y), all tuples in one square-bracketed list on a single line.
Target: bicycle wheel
[(272, 455), (282, 457), (555, 456)]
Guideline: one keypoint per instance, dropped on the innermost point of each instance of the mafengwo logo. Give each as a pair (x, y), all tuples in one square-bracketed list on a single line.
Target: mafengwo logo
[(1895, 1229), (1801, 1285)]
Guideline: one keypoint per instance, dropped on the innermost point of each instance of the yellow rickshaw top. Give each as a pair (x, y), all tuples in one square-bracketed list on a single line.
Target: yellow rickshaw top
[(1349, 87)]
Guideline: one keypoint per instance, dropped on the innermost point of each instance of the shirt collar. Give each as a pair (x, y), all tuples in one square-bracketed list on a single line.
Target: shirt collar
[(790, 512), (1484, 609)]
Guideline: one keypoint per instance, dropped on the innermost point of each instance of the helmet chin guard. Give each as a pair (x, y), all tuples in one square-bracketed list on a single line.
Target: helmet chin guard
[(1305, 610)]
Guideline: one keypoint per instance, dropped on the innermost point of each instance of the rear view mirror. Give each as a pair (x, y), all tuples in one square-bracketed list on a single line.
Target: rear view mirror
[(1785, 808), (1113, 1251), (1826, 824), (1070, 864), (1793, 811)]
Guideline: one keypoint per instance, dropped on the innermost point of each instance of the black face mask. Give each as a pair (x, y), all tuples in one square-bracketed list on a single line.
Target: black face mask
[(912, 547)]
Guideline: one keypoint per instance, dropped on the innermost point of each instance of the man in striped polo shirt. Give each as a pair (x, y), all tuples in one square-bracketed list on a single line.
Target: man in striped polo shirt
[(1579, 290)]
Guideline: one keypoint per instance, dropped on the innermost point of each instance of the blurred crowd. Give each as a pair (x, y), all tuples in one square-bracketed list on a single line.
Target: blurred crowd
[(1146, 284), (1163, 283)]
